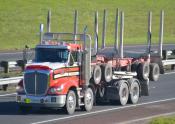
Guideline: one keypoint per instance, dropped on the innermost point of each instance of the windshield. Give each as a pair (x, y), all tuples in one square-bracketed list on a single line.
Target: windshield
[(51, 55)]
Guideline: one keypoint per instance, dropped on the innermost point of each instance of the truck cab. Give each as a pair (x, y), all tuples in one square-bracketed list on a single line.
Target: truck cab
[(53, 78)]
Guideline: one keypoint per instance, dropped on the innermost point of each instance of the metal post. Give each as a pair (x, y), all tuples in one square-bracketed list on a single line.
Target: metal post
[(116, 29), (104, 30), (49, 21), (149, 32), (161, 33), (121, 33), (96, 32), (75, 24), (41, 32)]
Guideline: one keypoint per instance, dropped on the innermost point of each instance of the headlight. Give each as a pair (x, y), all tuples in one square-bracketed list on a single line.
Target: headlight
[(54, 90)]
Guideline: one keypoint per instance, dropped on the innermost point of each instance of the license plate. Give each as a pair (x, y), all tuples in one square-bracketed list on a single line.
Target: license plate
[(27, 100)]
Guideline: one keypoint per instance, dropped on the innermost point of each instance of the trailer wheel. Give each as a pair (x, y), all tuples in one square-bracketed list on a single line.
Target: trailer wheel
[(70, 102), (123, 92), (134, 91), (154, 72), (88, 100), (143, 71), (106, 72), (97, 74)]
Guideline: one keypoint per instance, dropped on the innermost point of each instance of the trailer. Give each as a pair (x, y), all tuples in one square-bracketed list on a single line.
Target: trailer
[(67, 73)]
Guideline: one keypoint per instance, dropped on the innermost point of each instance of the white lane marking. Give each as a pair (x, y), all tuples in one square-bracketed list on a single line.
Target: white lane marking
[(101, 111), (146, 118), (169, 73), (8, 94)]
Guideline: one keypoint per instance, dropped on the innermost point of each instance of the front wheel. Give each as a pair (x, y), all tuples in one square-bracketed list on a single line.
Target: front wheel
[(88, 100), (70, 102)]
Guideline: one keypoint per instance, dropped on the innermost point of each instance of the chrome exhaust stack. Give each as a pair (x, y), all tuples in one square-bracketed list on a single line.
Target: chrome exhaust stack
[(41, 32)]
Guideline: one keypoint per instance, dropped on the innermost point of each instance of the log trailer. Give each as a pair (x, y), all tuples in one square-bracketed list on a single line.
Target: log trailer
[(67, 74)]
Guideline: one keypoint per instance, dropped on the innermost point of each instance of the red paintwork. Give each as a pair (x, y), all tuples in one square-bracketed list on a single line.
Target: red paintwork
[(67, 82)]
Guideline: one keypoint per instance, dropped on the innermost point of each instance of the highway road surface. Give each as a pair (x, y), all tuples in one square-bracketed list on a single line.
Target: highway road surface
[(161, 101)]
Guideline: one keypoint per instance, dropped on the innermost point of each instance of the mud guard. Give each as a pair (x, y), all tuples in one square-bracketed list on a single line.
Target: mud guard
[(145, 87)]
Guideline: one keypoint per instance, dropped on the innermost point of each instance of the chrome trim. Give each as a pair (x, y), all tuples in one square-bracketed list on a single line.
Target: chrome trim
[(60, 100), (38, 71)]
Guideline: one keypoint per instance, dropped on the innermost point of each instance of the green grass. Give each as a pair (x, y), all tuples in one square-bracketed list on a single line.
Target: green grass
[(163, 120), (20, 19)]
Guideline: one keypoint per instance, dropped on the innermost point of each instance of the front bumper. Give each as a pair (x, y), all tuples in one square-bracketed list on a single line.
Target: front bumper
[(41, 101)]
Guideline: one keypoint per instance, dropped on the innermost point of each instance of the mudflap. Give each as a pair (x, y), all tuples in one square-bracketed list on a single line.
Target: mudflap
[(112, 93), (144, 87)]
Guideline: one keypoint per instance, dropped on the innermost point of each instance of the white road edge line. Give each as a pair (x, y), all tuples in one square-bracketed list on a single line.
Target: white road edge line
[(101, 111), (146, 118), (169, 73), (8, 94)]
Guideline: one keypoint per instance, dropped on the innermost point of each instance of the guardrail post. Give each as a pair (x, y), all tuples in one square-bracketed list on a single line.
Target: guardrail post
[(22, 64), (5, 65)]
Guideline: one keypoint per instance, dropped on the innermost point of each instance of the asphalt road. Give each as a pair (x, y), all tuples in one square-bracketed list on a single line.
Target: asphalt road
[(161, 100)]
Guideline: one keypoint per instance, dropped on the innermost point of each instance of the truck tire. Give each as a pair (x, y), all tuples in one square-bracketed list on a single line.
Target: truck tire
[(143, 71), (123, 92), (97, 74), (106, 72), (134, 90), (154, 72), (70, 102), (88, 100)]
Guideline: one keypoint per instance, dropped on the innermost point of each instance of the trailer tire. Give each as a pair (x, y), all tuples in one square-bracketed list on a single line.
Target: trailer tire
[(70, 102), (154, 72), (88, 100), (123, 92), (106, 72), (143, 71), (97, 74), (134, 90)]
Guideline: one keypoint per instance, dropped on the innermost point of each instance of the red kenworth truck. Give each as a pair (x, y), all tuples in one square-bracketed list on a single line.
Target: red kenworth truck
[(65, 74)]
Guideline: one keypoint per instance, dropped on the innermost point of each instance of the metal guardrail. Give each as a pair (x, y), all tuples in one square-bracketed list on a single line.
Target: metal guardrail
[(13, 80)]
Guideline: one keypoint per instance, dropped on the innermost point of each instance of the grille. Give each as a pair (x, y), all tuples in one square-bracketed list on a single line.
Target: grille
[(36, 83)]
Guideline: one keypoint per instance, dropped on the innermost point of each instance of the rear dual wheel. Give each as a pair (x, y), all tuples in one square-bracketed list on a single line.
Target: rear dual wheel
[(154, 72), (134, 90)]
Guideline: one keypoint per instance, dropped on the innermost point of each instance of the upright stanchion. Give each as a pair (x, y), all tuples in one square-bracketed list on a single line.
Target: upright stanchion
[(116, 29), (49, 21), (75, 24), (41, 32), (104, 30), (96, 32), (161, 33), (149, 32), (121, 33)]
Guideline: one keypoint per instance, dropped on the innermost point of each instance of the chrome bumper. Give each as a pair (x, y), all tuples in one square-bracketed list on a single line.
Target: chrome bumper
[(41, 101)]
